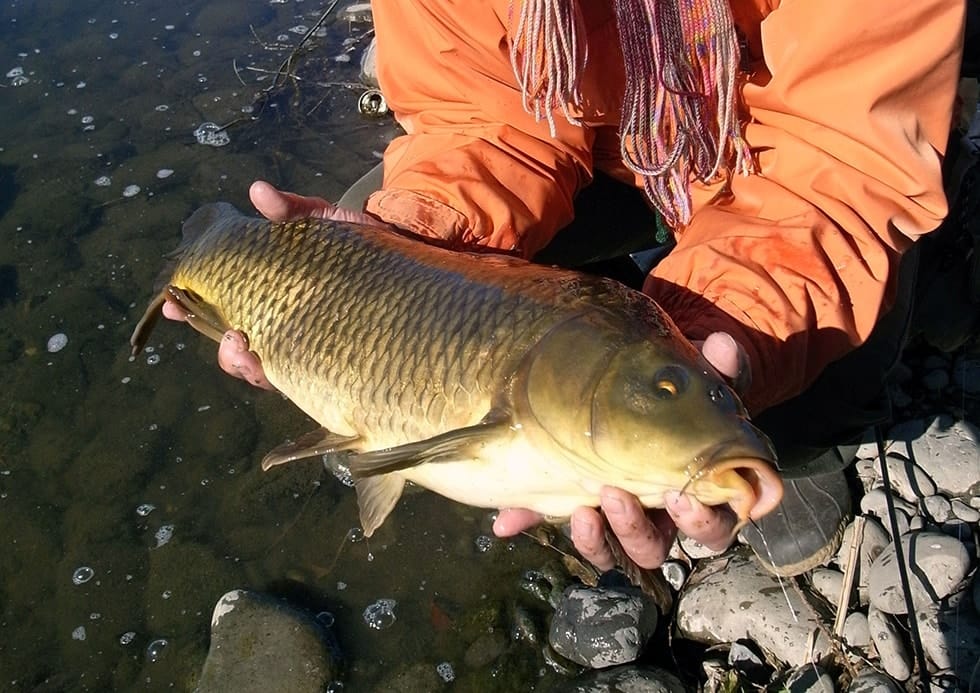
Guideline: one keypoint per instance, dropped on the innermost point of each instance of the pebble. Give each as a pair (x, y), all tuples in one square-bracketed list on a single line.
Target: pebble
[(57, 342), (964, 511), (856, 631), (827, 582), (875, 503), (733, 597), (809, 679), (940, 563), (889, 645), (602, 627), (259, 643), (695, 549), (625, 679), (131, 191), (937, 507), (871, 681), (947, 451), (908, 479), (874, 539), (951, 638)]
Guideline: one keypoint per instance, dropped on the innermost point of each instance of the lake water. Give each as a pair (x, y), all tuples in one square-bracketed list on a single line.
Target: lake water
[(138, 478)]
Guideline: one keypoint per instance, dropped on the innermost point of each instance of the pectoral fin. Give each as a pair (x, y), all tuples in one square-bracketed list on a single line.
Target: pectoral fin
[(202, 317), (312, 444), (445, 447), (376, 497)]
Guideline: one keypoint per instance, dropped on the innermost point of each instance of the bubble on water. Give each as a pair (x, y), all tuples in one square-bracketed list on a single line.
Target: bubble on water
[(211, 134), (166, 594), (113, 35), (341, 471), (169, 27), (127, 637), (341, 586), (180, 346), (88, 128), (87, 119), (19, 81), (325, 619), (154, 651), (125, 381), (144, 509), (355, 535), (165, 173), (57, 342), (152, 359), (131, 191), (380, 614), (80, 85), (164, 535), (162, 108), (445, 671), (103, 181), (72, 111), (342, 58), (78, 633), (282, 38), (483, 543), (94, 616), (82, 575), (15, 72), (299, 29)]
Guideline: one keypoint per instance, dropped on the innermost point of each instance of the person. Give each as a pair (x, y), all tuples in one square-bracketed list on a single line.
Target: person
[(792, 150)]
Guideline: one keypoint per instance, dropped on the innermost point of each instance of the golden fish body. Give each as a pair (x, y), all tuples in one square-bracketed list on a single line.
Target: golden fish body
[(487, 379)]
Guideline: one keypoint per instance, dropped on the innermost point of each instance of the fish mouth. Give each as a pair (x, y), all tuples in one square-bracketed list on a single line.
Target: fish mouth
[(745, 469)]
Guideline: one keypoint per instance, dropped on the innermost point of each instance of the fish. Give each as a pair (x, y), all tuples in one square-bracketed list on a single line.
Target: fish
[(483, 377)]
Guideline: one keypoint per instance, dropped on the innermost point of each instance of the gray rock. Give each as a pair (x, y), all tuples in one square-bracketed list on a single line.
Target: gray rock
[(889, 644), (874, 539), (937, 507), (369, 66), (964, 511), (939, 563), (856, 631), (626, 679), (871, 681), (908, 479), (599, 627), (827, 582), (675, 573), (875, 503), (809, 679), (695, 549), (947, 451), (260, 644), (733, 597), (951, 639)]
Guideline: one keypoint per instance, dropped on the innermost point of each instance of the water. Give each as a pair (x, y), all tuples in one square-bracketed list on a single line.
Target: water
[(98, 167)]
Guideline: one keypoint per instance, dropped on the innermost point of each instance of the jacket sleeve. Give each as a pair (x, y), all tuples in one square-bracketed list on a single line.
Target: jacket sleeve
[(850, 110), (474, 167)]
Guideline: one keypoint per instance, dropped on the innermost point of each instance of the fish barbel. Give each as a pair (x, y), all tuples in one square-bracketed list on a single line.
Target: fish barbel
[(488, 379)]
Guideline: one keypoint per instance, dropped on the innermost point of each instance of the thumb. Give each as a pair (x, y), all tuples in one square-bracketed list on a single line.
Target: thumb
[(728, 358)]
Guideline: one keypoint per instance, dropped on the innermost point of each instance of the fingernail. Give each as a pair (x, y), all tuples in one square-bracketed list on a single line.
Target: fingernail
[(677, 502), (612, 505)]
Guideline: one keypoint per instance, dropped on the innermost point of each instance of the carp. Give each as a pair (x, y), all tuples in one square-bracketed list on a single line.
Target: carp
[(488, 379)]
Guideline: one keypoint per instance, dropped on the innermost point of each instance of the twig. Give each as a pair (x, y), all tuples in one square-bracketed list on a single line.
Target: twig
[(843, 601)]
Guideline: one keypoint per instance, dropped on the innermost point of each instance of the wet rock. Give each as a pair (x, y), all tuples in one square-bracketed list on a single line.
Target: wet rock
[(485, 649), (856, 631), (410, 678), (695, 549), (964, 511), (809, 679), (950, 635), (730, 598), (937, 564), (261, 644), (827, 582), (947, 451), (675, 573), (601, 627), (937, 507), (889, 644), (627, 678), (907, 478), (369, 67), (871, 681), (876, 503)]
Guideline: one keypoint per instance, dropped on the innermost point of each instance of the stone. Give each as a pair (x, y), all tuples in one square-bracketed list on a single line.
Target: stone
[(871, 681), (625, 678), (950, 635), (949, 452), (964, 511), (937, 507), (889, 644), (907, 479), (875, 503), (734, 597), (856, 631), (809, 679), (874, 539), (259, 643), (828, 583), (602, 627), (695, 549), (939, 562)]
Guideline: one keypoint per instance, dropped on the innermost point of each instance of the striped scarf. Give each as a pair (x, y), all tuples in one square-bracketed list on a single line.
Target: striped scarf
[(680, 113)]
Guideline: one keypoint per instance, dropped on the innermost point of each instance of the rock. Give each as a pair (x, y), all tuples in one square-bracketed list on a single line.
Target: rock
[(964, 511), (951, 639), (874, 539), (369, 67), (856, 631), (625, 678), (889, 644), (947, 451), (935, 380), (675, 572), (744, 658), (940, 562), (908, 479), (733, 597), (875, 503), (809, 679), (602, 627), (871, 681), (695, 549), (828, 583), (966, 375), (937, 507), (485, 649), (261, 644)]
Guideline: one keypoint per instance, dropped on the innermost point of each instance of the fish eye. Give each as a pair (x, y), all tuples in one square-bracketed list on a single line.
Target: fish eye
[(669, 382)]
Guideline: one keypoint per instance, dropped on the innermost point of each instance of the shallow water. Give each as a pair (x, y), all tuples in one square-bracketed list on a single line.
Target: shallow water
[(91, 438)]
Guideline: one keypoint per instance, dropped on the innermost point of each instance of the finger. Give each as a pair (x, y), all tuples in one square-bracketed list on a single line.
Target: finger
[(277, 205), (712, 526), (645, 538), (728, 358), (511, 521), (236, 360), (589, 537), (172, 311)]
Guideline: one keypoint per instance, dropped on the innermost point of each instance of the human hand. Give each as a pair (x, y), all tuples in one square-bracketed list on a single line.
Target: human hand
[(647, 535), (234, 356)]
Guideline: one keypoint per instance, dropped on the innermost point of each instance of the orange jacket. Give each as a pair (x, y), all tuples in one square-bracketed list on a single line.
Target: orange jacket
[(848, 106)]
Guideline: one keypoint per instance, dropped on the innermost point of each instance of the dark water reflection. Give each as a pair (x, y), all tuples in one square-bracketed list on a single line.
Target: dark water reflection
[(87, 434)]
